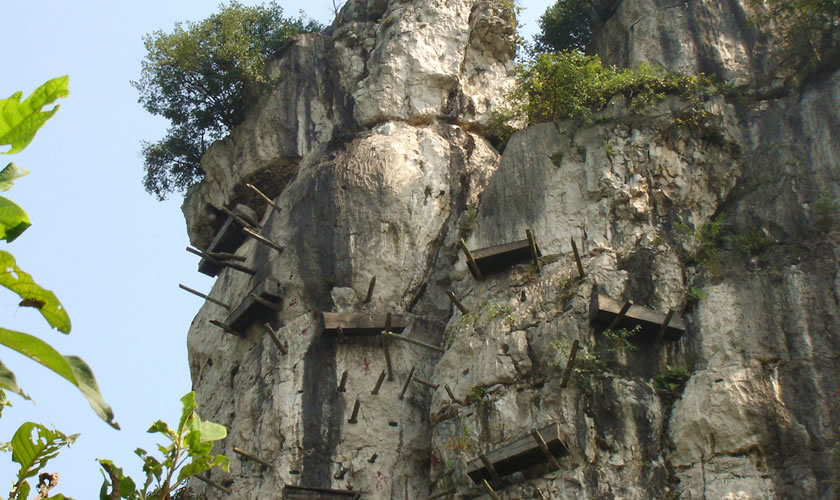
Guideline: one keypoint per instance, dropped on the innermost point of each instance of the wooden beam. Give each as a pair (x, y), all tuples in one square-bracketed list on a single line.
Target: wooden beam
[(226, 256), (532, 245), (577, 260), (375, 390), (266, 303), (603, 310), (369, 295), (519, 454), (225, 327), (264, 197), (275, 339), (410, 340), (226, 263), (205, 297), (407, 381), (292, 492), (568, 372), (384, 345), (664, 327), (470, 260), (213, 483), (238, 218), (361, 324), (340, 331), (262, 239), (451, 396), (355, 413), (489, 489), (457, 302), (426, 383), (252, 457), (416, 298), (544, 448)]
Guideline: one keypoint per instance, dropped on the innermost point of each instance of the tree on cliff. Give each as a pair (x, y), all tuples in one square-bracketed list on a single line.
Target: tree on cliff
[(199, 77), (566, 25)]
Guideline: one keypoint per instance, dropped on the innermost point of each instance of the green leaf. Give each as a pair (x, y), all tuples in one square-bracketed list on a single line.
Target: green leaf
[(13, 278), (72, 368), (201, 464), (8, 381), (33, 454), (211, 431), (120, 483), (19, 121), (9, 174), (13, 220), (188, 400)]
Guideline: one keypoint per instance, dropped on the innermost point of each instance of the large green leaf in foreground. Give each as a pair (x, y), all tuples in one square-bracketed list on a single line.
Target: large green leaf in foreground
[(33, 454), (72, 368), (13, 220), (9, 174), (20, 120), (32, 294)]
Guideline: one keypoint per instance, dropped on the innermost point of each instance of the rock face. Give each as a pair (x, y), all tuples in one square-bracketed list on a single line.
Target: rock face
[(372, 148)]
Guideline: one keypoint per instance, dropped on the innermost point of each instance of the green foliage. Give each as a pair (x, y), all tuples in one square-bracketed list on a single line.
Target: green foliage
[(570, 85), (809, 31), (825, 211), (19, 122), (671, 381), (498, 310), (706, 241), (595, 362), (476, 394), (199, 77), (752, 242), (697, 293), (32, 446), (566, 25), (187, 454)]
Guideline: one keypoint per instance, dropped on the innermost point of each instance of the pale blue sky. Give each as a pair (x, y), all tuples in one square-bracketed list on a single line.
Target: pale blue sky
[(112, 253)]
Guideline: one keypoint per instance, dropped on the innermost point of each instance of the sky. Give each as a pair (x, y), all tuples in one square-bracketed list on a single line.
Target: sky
[(113, 254)]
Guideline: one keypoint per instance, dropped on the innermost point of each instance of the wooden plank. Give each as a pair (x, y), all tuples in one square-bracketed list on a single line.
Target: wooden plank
[(227, 239), (519, 455), (291, 492), (267, 290), (360, 324), (604, 309), (495, 258)]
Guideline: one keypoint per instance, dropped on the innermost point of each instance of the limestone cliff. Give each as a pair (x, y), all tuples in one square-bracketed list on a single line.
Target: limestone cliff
[(371, 146)]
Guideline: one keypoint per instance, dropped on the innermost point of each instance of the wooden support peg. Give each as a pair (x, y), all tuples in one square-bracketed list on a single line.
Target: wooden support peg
[(369, 295), (355, 413), (342, 386), (252, 457), (426, 383), (664, 327), (492, 470), (442, 494), (384, 345), (205, 297), (225, 256), (224, 327), (470, 260), (340, 331), (213, 483), (542, 495), (412, 341), (375, 390), (489, 489), (416, 298), (408, 381), (544, 448), (457, 302), (372, 459), (620, 316), (577, 260), (532, 244), (449, 392), (275, 339), (242, 222), (264, 197), (262, 239), (221, 262), (267, 303), (387, 328), (570, 364)]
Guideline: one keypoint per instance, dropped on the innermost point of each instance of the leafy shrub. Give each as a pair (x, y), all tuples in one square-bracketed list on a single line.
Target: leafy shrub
[(569, 84), (199, 77), (592, 362), (671, 381)]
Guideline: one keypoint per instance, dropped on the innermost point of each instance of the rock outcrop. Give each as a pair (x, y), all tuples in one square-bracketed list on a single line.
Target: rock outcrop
[(371, 146)]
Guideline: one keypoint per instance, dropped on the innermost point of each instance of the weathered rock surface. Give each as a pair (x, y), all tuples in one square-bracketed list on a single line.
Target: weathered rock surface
[(372, 150)]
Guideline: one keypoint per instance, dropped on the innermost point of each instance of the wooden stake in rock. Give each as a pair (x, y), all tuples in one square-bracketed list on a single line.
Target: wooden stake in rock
[(570, 364), (544, 448), (664, 327), (426, 383), (213, 483), (262, 239), (375, 390), (411, 341), (385, 347), (355, 413), (369, 295), (470, 260), (457, 302), (205, 297), (492, 470), (342, 386), (620, 316), (532, 244), (408, 381), (242, 222), (577, 260), (222, 262), (451, 396), (416, 298), (224, 327), (264, 197), (252, 457), (275, 339), (489, 489)]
